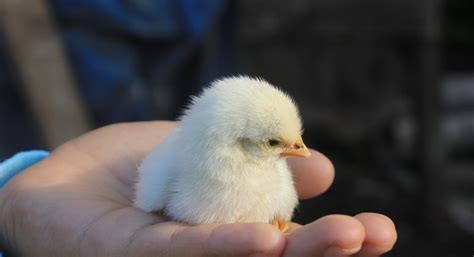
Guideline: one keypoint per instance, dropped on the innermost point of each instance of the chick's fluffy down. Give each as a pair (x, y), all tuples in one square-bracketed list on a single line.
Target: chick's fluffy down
[(216, 167)]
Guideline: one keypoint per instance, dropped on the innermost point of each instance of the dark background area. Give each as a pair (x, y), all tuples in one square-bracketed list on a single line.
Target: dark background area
[(385, 88)]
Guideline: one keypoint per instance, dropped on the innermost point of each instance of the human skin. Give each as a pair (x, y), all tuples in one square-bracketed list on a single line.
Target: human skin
[(78, 202)]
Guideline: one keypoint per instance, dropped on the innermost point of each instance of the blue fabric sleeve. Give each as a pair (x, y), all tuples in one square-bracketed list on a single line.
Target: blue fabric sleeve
[(20, 161)]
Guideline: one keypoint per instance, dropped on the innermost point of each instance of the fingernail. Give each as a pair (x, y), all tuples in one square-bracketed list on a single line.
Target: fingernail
[(337, 251)]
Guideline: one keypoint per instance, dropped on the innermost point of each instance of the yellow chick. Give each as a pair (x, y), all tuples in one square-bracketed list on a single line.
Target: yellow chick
[(226, 161)]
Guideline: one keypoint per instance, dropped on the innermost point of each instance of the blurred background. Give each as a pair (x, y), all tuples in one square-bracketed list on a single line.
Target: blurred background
[(385, 88)]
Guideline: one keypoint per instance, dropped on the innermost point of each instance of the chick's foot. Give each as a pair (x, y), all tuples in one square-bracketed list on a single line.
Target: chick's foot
[(281, 225)]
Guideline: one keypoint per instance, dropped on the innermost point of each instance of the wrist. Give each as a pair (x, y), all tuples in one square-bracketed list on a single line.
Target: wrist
[(8, 169), (19, 162)]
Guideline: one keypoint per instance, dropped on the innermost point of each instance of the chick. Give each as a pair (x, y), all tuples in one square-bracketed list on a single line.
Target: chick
[(226, 161)]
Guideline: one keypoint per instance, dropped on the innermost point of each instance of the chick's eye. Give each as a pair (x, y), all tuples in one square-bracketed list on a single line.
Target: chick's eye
[(273, 142)]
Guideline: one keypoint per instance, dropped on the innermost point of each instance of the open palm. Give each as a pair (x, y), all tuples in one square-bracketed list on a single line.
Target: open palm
[(78, 202)]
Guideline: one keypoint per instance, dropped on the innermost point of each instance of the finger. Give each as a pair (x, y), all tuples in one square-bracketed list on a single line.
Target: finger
[(173, 239), (333, 235), (313, 176), (380, 234)]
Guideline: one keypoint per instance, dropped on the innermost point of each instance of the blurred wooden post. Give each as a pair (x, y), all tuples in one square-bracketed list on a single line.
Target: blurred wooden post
[(48, 84)]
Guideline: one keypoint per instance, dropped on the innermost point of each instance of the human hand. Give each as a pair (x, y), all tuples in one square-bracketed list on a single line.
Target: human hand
[(78, 202)]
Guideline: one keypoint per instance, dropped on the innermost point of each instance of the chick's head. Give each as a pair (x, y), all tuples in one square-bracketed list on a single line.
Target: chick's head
[(247, 114)]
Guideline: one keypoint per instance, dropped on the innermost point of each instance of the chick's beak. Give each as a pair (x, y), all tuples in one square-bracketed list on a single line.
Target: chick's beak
[(298, 149)]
